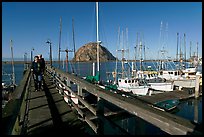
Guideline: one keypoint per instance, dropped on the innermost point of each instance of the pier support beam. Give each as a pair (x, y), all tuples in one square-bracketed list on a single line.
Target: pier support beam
[(196, 110), (197, 86)]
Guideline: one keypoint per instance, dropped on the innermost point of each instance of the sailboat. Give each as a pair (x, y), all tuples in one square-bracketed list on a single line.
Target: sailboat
[(128, 84), (182, 76), (8, 88)]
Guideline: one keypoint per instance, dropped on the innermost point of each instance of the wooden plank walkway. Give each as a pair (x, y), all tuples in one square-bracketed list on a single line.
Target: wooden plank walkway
[(48, 114)]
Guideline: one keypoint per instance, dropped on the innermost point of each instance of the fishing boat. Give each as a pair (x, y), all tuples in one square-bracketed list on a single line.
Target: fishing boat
[(133, 85)]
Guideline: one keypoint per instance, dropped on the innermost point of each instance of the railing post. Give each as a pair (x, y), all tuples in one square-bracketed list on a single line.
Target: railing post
[(68, 82), (79, 89)]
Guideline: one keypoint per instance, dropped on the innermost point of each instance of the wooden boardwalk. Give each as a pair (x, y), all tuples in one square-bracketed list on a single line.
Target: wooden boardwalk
[(49, 114)]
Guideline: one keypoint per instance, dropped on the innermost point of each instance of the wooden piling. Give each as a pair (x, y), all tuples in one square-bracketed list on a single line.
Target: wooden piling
[(197, 86)]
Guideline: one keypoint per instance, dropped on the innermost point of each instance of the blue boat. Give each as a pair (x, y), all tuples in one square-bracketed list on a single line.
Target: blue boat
[(167, 105)]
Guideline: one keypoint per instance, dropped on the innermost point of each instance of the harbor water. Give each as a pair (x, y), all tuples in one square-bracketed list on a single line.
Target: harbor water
[(190, 109)]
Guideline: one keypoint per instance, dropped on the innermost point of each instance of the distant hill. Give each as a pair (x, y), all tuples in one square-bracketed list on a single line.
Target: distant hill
[(88, 53)]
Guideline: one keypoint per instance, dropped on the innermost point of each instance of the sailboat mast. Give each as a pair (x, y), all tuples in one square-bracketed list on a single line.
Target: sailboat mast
[(60, 41), (136, 51), (73, 38), (140, 55), (197, 49), (190, 49), (177, 47), (122, 56), (97, 37), (180, 64), (116, 64), (12, 61), (185, 47)]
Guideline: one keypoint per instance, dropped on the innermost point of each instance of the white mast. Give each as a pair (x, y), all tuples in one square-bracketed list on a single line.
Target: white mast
[(13, 72), (97, 37)]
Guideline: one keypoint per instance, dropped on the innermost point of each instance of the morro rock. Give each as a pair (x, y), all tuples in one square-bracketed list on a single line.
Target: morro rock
[(88, 53)]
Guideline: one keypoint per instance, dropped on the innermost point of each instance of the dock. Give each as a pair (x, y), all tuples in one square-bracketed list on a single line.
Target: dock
[(175, 94)]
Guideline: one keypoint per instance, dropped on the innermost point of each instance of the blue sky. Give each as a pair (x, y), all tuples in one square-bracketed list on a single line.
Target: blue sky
[(30, 24)]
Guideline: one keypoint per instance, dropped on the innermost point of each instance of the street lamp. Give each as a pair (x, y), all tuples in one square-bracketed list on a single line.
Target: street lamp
[(49, 42), (31, 54), (25, 61)]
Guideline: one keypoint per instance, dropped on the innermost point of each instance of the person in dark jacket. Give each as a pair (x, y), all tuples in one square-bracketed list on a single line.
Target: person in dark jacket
[(42, 61), (36, 68)]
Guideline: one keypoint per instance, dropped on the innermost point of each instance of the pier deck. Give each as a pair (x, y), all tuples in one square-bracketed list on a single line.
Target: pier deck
[(49, 114)]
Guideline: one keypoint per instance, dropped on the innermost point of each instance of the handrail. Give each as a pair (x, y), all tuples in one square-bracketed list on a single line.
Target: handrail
[(167, 122), (11, 113)]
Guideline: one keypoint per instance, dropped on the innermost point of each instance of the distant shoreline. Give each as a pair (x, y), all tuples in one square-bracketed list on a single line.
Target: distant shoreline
[(28, 62)]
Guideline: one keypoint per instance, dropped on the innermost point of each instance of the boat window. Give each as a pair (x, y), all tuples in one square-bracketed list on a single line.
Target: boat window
[(175, 73), (171, 72), (161, 73), (132, 81), (119, 80), (192, 73), (125, 81), (129, 81)]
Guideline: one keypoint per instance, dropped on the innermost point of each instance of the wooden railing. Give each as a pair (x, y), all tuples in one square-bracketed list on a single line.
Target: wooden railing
[(167, 122)]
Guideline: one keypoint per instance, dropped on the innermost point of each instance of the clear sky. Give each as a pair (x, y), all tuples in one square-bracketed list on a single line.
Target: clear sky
[(30, 24)]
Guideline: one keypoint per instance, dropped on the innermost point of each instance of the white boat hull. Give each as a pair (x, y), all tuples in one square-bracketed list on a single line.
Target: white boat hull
[(189, 83), (162, 86), (140, 90)]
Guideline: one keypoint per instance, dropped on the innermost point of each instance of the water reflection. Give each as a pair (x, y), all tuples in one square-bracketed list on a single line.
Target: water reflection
[(191, 109)]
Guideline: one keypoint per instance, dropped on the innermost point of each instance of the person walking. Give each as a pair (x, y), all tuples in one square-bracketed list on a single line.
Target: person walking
[(36, 69), (42, 62)]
